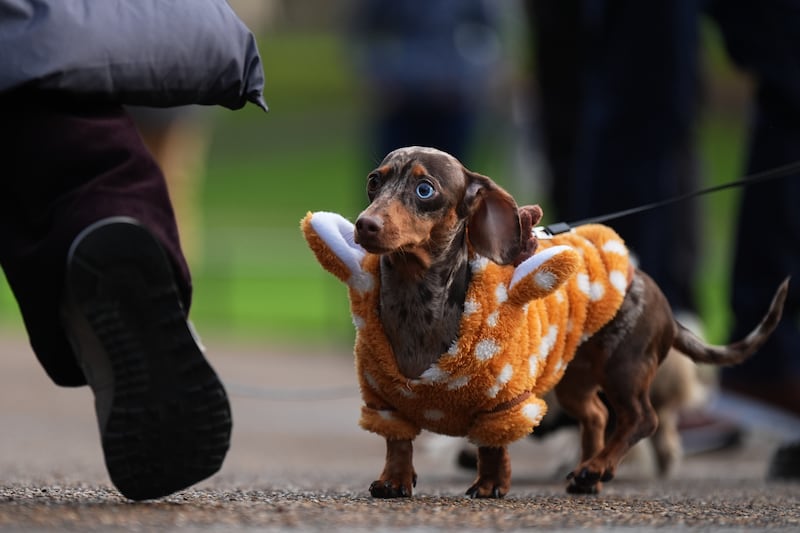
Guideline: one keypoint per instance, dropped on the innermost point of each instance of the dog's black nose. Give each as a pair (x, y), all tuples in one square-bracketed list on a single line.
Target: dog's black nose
[(368, 225)]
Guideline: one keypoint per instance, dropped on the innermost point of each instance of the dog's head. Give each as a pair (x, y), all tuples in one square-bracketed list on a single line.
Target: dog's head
[(424, 201)]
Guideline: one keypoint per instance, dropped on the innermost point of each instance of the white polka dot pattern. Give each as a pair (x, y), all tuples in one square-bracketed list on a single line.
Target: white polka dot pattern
[(520, 328)]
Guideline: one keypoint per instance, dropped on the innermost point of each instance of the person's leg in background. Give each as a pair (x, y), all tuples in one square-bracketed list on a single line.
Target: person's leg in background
[(765, 42), (619, 90), (558, 46), (68, 167)]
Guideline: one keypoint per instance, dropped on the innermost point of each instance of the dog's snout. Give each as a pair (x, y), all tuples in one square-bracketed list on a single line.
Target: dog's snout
[(368, 225)]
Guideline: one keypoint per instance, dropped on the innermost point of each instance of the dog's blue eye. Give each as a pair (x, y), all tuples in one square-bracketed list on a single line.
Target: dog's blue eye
[(373, 183), (425, 190)]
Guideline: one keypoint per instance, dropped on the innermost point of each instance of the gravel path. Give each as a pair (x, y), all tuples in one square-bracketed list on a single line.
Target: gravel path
[(298, 461), (703, 505)]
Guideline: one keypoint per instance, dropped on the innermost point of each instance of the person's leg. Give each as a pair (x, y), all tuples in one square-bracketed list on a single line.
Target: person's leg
[(765, 42), (91, 252), (558, 44), (65, 167), (625, 81)]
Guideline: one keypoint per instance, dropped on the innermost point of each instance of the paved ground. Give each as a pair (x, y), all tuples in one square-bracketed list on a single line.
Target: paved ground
[(299, 462)]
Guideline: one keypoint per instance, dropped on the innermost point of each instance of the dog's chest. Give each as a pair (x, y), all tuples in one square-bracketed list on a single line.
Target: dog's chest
[(486, 364), (503, 348), (422, 319)]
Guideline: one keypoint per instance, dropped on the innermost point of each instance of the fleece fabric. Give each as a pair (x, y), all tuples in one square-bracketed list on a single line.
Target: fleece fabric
[(520, 329)]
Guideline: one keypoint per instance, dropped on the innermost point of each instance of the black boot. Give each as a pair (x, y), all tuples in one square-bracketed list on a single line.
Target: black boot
[(163, 414)]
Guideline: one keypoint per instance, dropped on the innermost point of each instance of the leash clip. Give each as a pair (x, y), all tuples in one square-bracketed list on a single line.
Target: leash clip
[(550, 231), (542, 233)]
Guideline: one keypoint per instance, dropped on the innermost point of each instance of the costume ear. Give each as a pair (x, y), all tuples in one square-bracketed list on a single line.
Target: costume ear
[(330, 237), (543, 274), (493, 225)]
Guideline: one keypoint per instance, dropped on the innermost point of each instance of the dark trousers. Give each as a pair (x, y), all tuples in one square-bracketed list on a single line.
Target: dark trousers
[(764, 39), (617, 82), (66, 165), (619, 92)]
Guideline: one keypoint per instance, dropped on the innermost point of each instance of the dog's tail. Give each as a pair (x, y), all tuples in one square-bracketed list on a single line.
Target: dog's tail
[(736, 352)]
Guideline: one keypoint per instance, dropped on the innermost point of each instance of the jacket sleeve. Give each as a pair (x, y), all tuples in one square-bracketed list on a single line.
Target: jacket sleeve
[(138, 52)]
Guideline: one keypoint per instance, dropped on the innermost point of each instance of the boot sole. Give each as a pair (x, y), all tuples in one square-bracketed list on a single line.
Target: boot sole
[(166, 423)]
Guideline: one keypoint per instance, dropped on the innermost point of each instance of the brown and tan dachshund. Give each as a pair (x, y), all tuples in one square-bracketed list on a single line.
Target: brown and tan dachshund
[(427, 212)]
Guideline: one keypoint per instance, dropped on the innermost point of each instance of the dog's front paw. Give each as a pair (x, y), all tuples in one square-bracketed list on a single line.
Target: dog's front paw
[(389, 488), (494, 473), (585, 481), (486, 489)]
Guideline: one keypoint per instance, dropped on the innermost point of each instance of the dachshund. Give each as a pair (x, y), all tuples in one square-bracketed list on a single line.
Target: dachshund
[(425, 258)]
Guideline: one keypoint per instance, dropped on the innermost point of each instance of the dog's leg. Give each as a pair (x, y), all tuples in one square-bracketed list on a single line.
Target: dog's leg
[(578, 395), (635, 420), (494, 473), (621, 360), (398, 477), (627, 389), (667, 441), (676, 385), (626, 375)]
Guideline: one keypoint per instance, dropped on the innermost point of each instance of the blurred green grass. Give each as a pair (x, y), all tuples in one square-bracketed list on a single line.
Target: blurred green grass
[(265, 171), (257, 280)]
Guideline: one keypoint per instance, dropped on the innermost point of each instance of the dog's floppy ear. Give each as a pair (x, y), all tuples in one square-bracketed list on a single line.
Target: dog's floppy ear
[(493, 225), (529, 216)]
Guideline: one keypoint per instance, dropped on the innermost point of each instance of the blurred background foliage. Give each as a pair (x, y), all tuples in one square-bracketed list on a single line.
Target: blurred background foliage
[(254, 277)]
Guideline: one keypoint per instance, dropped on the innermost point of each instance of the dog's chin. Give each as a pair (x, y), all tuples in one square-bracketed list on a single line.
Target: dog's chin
[(410, 259), (382, 248), (375, 247)]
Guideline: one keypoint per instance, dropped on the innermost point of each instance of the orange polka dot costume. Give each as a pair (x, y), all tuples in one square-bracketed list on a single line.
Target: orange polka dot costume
[(520, 328)]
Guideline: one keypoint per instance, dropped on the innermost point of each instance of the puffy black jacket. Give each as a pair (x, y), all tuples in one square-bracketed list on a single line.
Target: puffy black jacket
[(141, 52)]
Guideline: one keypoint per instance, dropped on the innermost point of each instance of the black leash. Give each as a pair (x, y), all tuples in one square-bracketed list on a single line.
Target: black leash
[(775, 173)]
